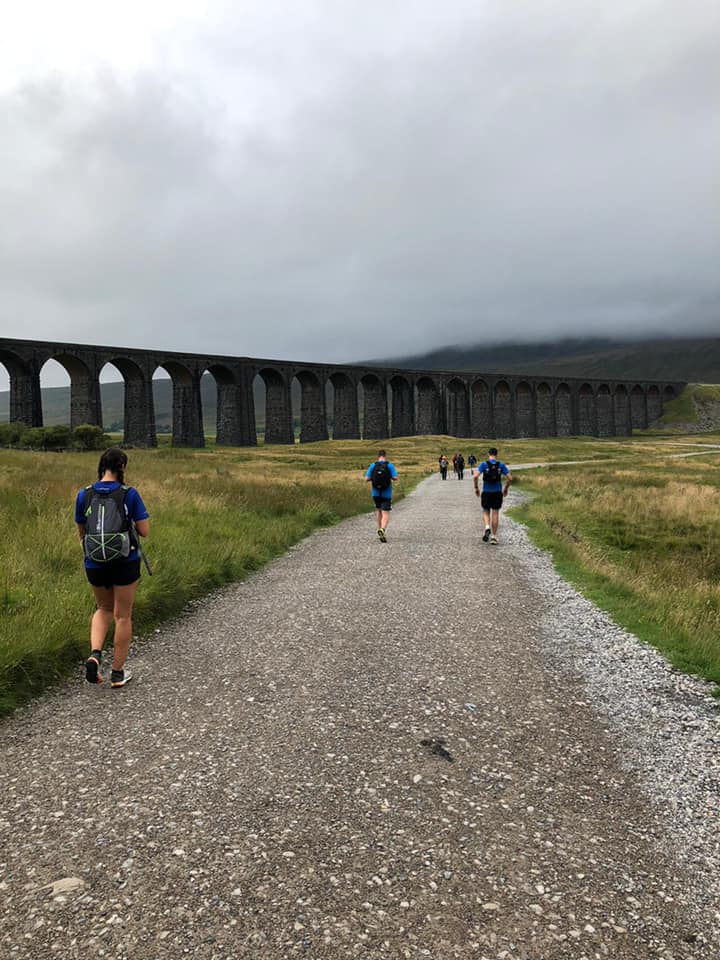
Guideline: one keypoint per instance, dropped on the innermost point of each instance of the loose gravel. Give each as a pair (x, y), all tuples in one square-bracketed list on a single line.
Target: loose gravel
[(428, 748)]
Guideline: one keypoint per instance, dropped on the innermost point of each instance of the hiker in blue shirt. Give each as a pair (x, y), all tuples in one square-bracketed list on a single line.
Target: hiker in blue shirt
[(381, 474), (492, 472), (108, 514)]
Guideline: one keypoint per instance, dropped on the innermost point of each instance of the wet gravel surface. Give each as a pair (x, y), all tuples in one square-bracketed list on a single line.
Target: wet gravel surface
[(429, 748)]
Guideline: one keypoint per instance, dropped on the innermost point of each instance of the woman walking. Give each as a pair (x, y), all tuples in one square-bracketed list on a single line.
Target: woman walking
[(109, 515)]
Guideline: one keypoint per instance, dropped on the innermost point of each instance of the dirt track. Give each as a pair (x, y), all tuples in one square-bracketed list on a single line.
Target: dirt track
[(363, 751)]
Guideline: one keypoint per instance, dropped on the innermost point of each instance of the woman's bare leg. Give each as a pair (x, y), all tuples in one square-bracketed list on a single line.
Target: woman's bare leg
[(102, 618), (124, 598)]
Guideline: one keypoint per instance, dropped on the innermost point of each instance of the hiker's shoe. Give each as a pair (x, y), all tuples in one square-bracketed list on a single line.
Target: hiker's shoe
[(486, 535), (92, 669), (493, 539), (381, 535), (120, 678)]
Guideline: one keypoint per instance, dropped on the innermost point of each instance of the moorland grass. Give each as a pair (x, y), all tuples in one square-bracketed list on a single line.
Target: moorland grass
[(683, 409), (218, 514), (642, 540)]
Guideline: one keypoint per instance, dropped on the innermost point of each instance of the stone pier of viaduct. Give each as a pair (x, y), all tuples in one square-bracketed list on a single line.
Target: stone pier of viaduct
[(369, 402)]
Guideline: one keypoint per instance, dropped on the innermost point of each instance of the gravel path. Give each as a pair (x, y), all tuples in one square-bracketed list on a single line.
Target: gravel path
[(430, 748)]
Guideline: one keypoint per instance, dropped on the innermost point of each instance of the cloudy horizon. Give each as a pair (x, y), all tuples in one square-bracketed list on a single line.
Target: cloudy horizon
[(340, 181)]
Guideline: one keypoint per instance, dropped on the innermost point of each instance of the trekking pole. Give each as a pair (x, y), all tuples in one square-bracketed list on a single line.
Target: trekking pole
[(140, 550)]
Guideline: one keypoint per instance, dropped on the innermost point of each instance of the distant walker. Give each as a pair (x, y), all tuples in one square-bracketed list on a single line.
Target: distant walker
[(492, 472)]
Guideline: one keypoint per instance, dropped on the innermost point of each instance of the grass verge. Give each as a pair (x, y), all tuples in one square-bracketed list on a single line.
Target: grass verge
[(642, 541)]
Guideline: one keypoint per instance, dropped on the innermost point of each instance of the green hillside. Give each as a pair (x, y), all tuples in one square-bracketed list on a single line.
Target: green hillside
[(695, 410), (695, 360), (56, 404)]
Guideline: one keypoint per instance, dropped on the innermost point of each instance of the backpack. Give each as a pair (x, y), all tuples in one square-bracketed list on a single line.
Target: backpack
[(107, 528), (492, 472), (381, 475)]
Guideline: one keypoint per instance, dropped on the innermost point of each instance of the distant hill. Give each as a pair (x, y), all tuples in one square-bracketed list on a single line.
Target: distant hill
[(56, 404), (695, 360)]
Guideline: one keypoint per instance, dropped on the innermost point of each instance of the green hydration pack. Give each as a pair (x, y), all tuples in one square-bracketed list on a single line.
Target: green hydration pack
[(108, 535)]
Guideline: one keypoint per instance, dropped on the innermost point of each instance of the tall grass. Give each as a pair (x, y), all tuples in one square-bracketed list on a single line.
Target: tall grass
[(216, 515), (643, 541), (220, 513)]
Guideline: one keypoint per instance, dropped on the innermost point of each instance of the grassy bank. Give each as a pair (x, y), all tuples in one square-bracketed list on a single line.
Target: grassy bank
[(219, 514), (685, 409), (216, 516), (641, 538)]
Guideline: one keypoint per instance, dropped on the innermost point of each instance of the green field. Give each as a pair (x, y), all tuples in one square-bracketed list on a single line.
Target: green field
[(641, 538), (637, 531)]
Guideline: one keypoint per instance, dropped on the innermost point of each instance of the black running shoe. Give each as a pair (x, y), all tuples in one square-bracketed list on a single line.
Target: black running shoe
[(486, 535), (120, 678), (92, 668)]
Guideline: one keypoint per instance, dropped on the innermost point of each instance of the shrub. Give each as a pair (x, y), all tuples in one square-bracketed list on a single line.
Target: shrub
[(11, 433), (34, 438), (46, 438), (90, 437)]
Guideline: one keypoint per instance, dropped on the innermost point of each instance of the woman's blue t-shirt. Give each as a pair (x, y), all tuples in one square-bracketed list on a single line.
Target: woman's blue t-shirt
[(134, 507)]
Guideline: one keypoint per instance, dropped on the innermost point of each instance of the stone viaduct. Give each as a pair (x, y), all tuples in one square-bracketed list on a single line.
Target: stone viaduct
[(393, 402)]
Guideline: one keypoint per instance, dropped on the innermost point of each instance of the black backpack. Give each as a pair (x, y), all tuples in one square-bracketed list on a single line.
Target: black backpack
[(381, 475), (492, 472), (107, 528)]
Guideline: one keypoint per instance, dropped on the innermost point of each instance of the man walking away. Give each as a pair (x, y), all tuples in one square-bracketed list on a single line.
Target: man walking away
[(443, 461), (492, 472), (472, 461), (460, 466), (381, 475)]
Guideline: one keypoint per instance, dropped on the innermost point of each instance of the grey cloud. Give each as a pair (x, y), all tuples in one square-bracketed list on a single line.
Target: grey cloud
[(339, 183)]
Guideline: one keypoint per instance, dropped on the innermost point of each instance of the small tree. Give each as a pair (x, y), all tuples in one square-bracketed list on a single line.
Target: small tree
[(57, 437), (90, 437), (46, 438), (11, 433)]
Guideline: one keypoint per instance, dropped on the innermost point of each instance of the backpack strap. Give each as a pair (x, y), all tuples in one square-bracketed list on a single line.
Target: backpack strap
[(86, 500), (134, 539)]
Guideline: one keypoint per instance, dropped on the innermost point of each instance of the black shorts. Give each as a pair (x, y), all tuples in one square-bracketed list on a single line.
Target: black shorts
[(118, 573), (491, 501), (383, 503)]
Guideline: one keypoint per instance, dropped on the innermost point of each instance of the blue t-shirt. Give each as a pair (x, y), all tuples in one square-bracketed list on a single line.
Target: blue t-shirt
[(387, 492), (134, 507), (492, 487)]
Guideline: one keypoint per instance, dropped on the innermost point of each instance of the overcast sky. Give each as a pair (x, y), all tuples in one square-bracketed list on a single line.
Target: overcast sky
[(337, 180)]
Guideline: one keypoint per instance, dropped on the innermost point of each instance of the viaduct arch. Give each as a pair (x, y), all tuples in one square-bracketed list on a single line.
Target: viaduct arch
[(369, 402)]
